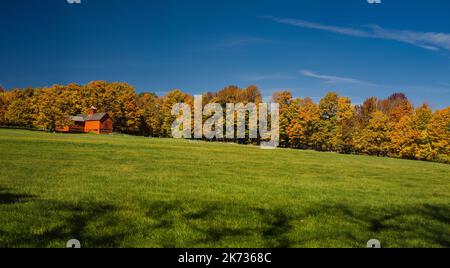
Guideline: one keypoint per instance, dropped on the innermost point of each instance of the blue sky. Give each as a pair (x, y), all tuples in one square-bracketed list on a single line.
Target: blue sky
[(306, 46)]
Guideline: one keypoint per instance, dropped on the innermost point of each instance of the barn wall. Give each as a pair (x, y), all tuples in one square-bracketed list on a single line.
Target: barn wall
[(107, 126), (63, 129), (92, 126), (77, 127)]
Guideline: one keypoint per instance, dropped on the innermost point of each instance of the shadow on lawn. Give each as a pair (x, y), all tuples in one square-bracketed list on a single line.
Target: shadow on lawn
[(427, 223), (44, 223), (7, 197), (406, 222), (68, 221), (274, 228)]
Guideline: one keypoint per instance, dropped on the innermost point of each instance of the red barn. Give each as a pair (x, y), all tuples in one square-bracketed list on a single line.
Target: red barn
[(100, 123)]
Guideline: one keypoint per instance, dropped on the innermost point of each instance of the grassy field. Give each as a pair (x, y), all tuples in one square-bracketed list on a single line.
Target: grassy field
[(123, 191)]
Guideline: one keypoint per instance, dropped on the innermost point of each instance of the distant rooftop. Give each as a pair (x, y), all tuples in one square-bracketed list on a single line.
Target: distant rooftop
[(86, 117)]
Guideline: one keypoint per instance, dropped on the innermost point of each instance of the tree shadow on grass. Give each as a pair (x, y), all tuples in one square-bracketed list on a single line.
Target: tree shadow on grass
[(424, 222), (7, 197), (277, 228), (70, 221), (96, 224), (79, 219), (274, 228), (428, 224)]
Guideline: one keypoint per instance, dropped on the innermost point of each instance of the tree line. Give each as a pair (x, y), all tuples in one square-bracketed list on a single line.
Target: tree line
[(383, 127)]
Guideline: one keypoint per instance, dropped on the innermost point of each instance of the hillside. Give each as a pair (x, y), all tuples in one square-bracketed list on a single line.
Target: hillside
[(125, 191)]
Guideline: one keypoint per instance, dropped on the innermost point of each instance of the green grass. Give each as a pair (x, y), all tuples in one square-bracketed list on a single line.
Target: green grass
[(123, 191)]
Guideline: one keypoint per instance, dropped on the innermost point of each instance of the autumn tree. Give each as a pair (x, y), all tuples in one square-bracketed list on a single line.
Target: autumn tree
[(229, 94), (287, 113), (396, 106), (387, 127), (118, 99), (345, 126), (3, 106), (409, 136), (20, 109), (126, 111), (305, 125), (251, 94), (173, 97), (439, 134), (71, 98), (364, 112), (374, 138), (325, 136), (150, 106), (50, 109)]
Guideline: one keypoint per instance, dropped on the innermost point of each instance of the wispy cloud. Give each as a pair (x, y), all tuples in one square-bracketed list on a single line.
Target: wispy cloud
[(332, 79), (445, 84), (434, 41), (262, 77)]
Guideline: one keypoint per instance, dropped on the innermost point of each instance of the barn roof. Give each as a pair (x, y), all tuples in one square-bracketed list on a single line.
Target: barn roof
[(77, 118), (95, 117), (86, 117)]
